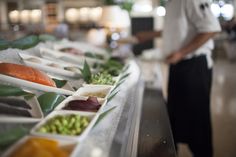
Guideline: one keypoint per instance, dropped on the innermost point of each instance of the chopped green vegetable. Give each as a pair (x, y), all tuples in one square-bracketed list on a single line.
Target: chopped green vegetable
[(65, 125), (102, 78), (113, 67)]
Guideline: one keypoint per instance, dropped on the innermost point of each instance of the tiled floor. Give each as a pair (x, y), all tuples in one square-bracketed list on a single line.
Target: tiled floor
[(223, 110)]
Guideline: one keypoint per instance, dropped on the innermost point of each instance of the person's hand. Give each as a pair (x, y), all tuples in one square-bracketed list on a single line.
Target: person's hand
[(174, 57), (142, 36), (147, 35)]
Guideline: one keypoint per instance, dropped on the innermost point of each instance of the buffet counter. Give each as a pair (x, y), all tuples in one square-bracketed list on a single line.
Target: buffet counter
[(110, 106)]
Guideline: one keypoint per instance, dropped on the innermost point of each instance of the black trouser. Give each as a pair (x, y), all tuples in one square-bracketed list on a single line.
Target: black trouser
[(189, 105)]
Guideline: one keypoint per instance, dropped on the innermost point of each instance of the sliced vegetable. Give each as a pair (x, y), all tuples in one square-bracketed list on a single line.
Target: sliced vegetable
[(91, 104), (26, 73)]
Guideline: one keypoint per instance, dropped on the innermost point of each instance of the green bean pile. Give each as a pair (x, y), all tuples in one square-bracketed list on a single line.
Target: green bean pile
[(65, 125)]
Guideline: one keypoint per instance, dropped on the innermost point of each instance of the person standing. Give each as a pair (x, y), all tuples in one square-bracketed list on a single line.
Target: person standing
[(187, 44)]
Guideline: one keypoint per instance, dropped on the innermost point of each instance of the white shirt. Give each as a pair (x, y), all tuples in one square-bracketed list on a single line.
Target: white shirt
[(183, 21)]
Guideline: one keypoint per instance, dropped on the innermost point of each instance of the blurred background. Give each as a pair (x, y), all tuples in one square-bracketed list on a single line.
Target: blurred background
[(105, 22)]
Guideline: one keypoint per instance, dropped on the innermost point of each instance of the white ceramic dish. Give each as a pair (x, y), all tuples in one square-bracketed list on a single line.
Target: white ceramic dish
[(49, 53), (45, 66), (92, 116), (84, 47), (32, 85), (35, 112), (70, 144), (94, 90)]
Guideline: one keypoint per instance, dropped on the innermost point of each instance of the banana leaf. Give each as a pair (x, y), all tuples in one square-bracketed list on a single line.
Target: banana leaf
[(7, 90), (123, 77), (112, 96), (86, 72), (48, 101), (4, 44), (25, 42), (10, 136), (60, 83), (46, 37), (118, 84), (103, 115)]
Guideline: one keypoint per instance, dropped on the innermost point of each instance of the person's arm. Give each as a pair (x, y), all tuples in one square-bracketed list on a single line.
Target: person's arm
[(147, 35), (193, 45)]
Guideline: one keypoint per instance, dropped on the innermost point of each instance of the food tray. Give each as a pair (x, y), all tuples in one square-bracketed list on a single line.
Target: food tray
[(63, 104), (88, 88), (49, 53), (32, 85), (44, 65), (35, 111), (69, 144), (92, 116)]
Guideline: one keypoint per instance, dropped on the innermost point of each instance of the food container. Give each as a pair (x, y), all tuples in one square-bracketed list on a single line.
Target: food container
[(49, 53), (91, 116), (100, 91), (65, 145), (35, 112), (32, 85), (51, 66), (63, 104)]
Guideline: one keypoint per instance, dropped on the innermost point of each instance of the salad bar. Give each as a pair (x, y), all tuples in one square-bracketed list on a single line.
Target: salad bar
[(64, 98)]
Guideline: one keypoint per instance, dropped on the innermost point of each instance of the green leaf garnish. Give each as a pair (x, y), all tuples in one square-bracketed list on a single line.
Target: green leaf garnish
[(59, 83), (7, 90), (101, 116), (124, 76), (46, 37), (112, 96), (49, 101), (4, 44), (10, 136), (86, 72), (25, 42), (118, 84)]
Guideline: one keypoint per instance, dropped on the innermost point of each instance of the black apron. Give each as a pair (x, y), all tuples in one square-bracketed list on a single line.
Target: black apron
[(189, 104)]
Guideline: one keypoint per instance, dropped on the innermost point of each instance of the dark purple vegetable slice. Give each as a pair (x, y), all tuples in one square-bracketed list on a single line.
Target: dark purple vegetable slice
[(14, 111), (91, 104), (15, 102)]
